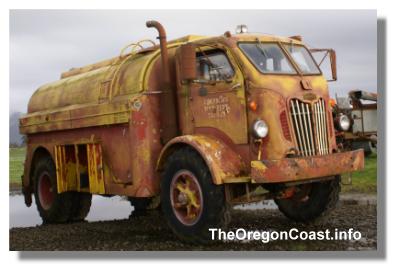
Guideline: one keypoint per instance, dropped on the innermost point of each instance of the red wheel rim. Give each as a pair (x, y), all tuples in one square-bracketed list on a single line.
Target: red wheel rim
[(46, 193), (186, 197)]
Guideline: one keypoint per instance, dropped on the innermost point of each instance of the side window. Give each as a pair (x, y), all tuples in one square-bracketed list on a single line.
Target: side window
[(213, 65)]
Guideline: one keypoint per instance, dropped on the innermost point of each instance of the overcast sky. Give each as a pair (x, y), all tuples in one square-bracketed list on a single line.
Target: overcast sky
[(44, 43)]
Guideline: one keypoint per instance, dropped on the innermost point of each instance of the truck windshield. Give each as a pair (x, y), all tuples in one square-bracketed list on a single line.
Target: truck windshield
[(268, 58), (303, 59)]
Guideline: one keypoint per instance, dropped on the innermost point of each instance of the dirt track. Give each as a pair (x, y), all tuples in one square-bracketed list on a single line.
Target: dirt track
[(151, 233)]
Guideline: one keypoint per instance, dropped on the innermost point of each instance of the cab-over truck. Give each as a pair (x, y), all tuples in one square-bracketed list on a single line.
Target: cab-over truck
[(201, 123)]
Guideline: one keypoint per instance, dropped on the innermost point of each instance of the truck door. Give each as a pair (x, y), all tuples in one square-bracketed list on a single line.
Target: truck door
[(215, 100)]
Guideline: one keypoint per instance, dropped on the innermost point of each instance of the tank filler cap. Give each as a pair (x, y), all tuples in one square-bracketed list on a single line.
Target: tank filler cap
[(228, 34)]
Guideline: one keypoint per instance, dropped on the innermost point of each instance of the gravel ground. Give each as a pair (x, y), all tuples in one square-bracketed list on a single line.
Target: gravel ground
[(151, 233)]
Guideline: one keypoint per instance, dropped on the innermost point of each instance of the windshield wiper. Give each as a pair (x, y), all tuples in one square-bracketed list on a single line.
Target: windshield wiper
[(259, 46)]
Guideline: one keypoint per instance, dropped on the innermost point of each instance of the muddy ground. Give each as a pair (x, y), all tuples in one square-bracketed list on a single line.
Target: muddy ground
[(151, 233)]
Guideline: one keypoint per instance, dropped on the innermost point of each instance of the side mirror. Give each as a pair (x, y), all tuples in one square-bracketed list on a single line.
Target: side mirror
[(187, 60), (332, 59), (332, 55)]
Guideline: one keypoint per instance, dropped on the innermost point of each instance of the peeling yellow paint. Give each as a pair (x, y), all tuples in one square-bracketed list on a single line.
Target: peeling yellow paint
[(258, 165)]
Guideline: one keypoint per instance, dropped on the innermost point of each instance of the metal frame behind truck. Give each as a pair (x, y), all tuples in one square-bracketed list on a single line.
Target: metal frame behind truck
[(361, 110), (197, 123)]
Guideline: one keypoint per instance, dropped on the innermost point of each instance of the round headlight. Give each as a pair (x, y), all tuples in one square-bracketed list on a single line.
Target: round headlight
[(344, 122), (260, 129)]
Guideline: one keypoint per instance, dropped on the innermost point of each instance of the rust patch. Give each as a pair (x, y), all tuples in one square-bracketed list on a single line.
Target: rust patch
[(296, 169), (222, 161)]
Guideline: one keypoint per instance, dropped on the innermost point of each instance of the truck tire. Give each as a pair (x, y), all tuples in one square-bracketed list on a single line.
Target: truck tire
[(190, 201), (367, 146), (53, 207), (320, 199), (82, 202)]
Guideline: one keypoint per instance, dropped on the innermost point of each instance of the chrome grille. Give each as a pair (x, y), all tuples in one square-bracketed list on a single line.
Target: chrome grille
[(310, 127)]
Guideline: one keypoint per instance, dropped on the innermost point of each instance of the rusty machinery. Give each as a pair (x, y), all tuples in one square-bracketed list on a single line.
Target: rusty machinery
[(198, 123), (359, 114)]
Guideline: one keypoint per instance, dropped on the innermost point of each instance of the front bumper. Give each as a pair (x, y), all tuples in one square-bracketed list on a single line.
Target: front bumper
[(305, 168)]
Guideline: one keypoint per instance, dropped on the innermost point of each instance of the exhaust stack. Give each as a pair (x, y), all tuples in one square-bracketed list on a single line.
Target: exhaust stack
[(168, 112)]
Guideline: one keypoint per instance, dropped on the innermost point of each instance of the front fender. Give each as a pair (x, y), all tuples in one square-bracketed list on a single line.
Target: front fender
[(222, 161)]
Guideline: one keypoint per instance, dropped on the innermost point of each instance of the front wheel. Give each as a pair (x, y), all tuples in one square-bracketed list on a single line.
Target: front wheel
[(311, 201), (190, 201)]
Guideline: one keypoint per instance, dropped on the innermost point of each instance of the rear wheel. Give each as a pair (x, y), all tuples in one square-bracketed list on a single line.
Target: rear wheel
[(311, 201), (53, 207), (190, 201), (81, 206)]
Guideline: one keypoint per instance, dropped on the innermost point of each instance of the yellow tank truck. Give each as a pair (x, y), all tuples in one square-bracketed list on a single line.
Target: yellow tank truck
[(200, 123)]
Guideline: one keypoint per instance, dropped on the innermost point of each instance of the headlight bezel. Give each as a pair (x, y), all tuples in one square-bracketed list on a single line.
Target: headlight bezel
[(343, 122), (260, 129)]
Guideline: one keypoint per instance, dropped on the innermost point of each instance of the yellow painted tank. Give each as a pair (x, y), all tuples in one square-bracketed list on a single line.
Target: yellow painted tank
[(92, 84), (102, 90)]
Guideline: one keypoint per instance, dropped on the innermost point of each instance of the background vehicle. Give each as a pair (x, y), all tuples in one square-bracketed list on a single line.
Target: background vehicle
[(360, 109), (201, 122)]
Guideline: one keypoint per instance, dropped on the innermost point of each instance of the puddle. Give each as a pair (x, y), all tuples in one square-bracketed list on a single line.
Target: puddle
[(267, 204), (103, 209)]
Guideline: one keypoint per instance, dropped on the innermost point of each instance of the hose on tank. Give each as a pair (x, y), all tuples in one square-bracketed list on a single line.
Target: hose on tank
[(124, 58)]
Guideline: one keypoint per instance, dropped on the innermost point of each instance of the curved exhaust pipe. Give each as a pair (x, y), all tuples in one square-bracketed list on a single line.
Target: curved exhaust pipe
[(169, 119), (163, 48)]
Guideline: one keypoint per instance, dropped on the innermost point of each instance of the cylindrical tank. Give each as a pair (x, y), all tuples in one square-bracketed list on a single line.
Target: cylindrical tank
[(95, 95), (102, 93), (94, 85)]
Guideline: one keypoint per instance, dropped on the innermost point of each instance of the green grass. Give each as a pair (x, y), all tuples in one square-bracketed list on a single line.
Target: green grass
[(364, 181), (16, 161)]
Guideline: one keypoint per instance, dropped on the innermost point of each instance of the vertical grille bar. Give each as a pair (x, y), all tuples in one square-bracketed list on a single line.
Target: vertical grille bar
[(302, 135), (319, 129), (324, 132), (313, 152), (297, 131), (303, 117), (316, 120), (322, 127)]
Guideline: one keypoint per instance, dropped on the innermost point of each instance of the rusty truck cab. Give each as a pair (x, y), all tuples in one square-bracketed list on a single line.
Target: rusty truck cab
[(257, 79)]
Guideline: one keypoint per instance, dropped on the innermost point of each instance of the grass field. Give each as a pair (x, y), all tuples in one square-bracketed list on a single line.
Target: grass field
[(364, 181), (17, 157)]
